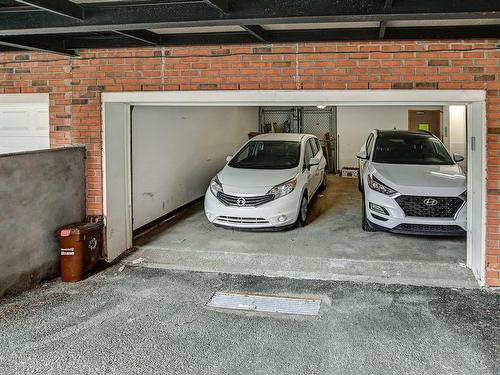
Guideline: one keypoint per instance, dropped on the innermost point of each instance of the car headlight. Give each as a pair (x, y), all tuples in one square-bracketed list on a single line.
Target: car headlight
[(285, 188), (379, 186), (216, 186)]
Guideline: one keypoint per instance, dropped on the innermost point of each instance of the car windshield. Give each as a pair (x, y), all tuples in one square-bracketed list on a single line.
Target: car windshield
[(410, 149), (267, 155)]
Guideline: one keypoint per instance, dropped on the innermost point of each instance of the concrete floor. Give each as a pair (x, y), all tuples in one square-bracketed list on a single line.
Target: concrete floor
[(331, 246), (149, 321)]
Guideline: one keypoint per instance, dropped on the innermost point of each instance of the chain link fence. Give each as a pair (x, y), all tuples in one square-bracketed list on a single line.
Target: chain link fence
[(279, 121), (319, 122)]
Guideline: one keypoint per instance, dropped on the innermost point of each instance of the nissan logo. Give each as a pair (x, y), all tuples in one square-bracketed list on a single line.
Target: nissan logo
[(431, 202), (241, 201)]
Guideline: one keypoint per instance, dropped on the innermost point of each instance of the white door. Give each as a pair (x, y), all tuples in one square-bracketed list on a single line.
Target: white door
[(368, 147), (23, 127), (310, 172), (476, 189)]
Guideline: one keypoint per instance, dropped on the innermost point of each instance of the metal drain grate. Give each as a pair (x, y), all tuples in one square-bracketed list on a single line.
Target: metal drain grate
[(263, 303)]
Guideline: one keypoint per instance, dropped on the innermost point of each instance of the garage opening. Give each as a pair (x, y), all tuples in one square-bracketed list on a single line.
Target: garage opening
[(175, 151)]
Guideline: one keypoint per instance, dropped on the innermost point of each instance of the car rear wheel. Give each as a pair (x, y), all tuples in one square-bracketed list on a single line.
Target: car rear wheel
[(365, 225), (303, 211)]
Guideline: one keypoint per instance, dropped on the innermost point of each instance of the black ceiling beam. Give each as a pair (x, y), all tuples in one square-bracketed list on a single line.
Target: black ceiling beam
[(242, 12), (38, 44), (64, 8), (283, 36), (145, 36), (396, 33), (168, 40), (442, 32), (221, 5), (258, 32)]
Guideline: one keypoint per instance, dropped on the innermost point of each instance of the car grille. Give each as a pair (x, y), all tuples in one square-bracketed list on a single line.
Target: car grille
[(231, 200), (422, 228), (242, 220), (415, 206)]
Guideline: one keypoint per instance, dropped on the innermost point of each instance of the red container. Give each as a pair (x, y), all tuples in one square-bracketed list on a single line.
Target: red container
[(80, 248)]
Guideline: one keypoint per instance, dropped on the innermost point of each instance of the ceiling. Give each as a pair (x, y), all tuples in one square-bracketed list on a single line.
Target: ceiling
[(65, 26)]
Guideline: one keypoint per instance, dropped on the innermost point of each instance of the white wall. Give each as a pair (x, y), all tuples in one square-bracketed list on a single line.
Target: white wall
[(355, 123), (458, 131), (177, 150)]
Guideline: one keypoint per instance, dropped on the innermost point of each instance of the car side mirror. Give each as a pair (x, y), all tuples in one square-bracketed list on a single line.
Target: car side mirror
[(313, 161), (458, 157), (362, 155), (228, 158)]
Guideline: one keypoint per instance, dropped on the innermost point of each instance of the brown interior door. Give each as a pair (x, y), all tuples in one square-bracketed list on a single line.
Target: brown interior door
[(425, 120)]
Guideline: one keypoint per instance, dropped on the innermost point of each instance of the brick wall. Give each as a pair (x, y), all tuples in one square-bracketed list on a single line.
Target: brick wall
[(75, 86)]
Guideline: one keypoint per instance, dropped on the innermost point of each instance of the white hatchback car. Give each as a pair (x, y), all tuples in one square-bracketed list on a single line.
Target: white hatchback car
[(411, 185), (268, 183)]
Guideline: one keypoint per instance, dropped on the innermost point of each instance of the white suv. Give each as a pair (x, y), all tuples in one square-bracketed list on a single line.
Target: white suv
[(268, 183), (411, 184)]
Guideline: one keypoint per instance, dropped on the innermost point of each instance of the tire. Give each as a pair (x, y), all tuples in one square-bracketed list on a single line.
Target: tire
[(302, 217), (365, 224), (324, 183)]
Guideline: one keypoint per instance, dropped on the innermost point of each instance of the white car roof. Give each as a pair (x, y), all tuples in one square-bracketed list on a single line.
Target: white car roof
[(280, 137)]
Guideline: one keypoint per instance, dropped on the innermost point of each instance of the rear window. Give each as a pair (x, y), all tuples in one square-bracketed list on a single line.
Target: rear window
[(411, 149)]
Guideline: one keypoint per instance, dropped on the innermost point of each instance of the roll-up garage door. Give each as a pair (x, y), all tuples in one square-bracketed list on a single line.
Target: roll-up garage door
[(23, 127)]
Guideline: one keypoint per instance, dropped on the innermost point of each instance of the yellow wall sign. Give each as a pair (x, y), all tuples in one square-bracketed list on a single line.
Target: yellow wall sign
[(424, 127)]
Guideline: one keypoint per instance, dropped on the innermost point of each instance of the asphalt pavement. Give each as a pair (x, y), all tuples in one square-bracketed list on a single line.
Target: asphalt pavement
[(152, 321)]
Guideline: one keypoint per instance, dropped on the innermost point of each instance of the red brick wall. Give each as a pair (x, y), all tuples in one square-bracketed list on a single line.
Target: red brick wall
[(75, 86)]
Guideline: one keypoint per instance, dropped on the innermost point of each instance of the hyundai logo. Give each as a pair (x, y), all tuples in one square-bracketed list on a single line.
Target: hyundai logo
[(241, 201), (431, 202)]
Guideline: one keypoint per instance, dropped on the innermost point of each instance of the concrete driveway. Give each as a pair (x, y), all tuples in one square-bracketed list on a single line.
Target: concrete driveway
[(331, 247), (145, 321)]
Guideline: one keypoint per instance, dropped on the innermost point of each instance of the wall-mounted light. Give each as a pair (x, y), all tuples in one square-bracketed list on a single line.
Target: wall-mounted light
[(321, 106)]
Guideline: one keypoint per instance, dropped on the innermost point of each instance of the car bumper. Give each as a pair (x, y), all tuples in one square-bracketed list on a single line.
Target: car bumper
[(277, 214), (397, 222), (423, 229)]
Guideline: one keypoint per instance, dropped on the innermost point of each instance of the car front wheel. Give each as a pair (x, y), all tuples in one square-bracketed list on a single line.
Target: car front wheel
[(303, 211)]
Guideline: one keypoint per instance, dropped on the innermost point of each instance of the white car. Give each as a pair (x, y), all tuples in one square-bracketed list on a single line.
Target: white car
[(411, 184), (268, 183)]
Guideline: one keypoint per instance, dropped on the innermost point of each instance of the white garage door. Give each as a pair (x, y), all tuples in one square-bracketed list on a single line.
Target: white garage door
[(23, 127)]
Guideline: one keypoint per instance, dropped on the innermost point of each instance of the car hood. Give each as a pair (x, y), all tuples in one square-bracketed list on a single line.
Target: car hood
[(244, 181), (422, 179)]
